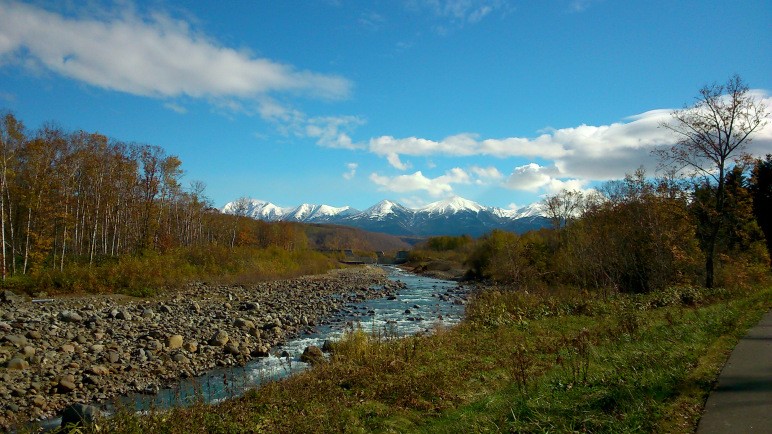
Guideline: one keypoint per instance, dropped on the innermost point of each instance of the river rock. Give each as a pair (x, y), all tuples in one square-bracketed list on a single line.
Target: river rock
[(174, 341), (180, 358), (79, 414), (243, 323), (16, 340), (28, 351), (232, 348), (124, 315), (190, 346), (10, 297), (17, 363), (33, 334), (67, 384), (70, 316), (312, 355), (98, 370), (219, 339)]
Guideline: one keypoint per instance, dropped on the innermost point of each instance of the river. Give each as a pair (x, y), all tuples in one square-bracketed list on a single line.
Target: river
[(422, 304)]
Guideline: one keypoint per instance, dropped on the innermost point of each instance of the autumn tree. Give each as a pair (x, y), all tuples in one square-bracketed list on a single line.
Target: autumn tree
[(711, 136), (12, 139)]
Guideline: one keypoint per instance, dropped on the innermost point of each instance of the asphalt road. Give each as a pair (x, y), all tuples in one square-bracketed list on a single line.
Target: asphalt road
[(742, 399)]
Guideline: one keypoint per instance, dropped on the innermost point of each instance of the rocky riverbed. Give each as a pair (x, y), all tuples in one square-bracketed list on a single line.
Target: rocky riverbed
[(94, 348)]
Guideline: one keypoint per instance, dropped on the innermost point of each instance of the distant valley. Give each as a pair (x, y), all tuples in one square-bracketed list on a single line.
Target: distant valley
[(453, 216)]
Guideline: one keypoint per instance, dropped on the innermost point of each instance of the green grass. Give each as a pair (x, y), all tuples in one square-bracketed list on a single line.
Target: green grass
[(520, 363)]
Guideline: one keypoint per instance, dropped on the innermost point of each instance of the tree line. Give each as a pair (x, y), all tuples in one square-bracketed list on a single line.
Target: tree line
[(81, 198)]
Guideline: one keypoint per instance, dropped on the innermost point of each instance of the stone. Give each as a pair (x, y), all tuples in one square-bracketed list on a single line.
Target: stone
[(17, 363), (249, 305), (98, 370), (79, 414), (33, 334), (19, 341), (190, 346), (124, 315), (232, 348), (39, 401), (174, 341), (113, 356), (180, 358), (164, 309), (66, 385), (70, 316), (312, 355), (219, 339), (243, 323), (28, 351), (97, 348), (67, 348), (9, 297)]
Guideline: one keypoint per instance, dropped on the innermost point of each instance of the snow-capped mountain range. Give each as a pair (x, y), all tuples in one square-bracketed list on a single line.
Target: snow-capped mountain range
[(453, 216)]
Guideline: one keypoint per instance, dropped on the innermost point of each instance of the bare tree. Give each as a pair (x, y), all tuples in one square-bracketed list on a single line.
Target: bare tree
[(712, 134), (563, 207)]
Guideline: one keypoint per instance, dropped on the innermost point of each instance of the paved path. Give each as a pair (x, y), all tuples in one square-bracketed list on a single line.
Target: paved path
[(742, 399)]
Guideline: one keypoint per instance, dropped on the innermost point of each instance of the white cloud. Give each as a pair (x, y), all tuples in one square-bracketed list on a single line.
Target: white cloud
[(530, 177), (485, 174), (586, 152), (533, 177), (332, 131), (156, 56), (438, 186), (352, 171)]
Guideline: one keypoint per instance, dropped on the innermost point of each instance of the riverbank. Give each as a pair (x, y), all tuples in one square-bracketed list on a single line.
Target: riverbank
[(519, 362), (94, 348)]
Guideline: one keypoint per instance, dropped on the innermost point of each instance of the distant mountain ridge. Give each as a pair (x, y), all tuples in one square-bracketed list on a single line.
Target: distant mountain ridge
[(452, 216)]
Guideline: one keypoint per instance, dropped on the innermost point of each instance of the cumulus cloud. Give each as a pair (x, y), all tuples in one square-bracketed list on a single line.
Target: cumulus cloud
[(585, 152), (156, 56), (463, 145), (438, 186)]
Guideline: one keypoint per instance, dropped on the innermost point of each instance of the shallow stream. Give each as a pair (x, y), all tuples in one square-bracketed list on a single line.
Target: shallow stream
[(422, 304)]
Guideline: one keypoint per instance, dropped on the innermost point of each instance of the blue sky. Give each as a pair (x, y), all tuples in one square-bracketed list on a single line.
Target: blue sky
[(347, 102)]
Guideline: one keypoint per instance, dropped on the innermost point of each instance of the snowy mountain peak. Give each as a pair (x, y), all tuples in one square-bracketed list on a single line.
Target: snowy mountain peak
[(535, 209), (383, 209), (453, 205)]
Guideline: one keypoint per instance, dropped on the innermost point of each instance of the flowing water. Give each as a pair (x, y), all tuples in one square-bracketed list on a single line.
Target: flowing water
[(423, 304)]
